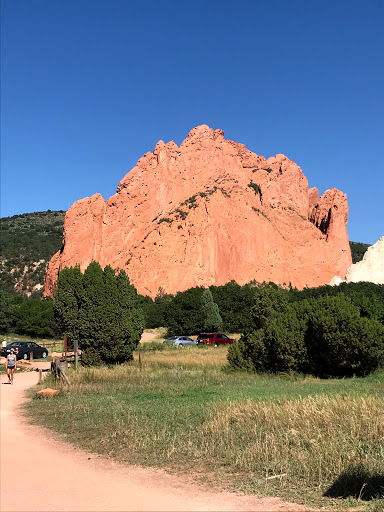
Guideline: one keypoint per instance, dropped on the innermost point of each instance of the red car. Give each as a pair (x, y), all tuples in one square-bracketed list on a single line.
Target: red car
[(213, 338)]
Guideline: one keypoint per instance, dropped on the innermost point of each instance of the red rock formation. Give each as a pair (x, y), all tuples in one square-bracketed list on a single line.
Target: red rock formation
[(208, 212)]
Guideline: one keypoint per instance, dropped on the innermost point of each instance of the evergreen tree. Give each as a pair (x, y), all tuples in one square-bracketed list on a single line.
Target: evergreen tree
[(154, 309), (235, 303), (35, 317), (101, 310), (182, 314), (269, 302), (9, 304), (210, 314), (341, 342), (323, 335)]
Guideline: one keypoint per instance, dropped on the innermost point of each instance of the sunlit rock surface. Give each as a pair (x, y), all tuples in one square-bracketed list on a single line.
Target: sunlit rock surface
[(371, 267), (205, 213)]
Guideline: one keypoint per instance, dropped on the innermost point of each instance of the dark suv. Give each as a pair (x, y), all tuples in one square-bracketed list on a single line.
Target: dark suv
[(213, 338)]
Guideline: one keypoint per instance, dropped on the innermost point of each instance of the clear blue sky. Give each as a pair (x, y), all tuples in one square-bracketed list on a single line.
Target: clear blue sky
[(89, 86)]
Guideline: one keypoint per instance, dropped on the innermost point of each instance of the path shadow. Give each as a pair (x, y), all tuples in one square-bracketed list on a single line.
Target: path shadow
[(359, 483)]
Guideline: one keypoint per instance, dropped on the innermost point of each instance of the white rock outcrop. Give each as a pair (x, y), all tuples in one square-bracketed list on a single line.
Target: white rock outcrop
[(335, 281), (370, 268)]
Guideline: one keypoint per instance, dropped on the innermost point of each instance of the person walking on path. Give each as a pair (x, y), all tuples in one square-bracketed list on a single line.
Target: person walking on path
[(11, 366)]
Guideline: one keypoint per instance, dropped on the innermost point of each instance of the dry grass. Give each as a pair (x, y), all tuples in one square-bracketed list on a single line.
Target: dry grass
[(187, 357), (290, 437), (312, 440)]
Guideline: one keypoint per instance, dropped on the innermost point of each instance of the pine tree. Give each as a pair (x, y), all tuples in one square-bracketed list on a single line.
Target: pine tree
[(210, 314), (101, 310)]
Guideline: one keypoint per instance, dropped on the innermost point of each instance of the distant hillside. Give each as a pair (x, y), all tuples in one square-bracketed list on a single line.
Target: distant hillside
[(28, 242), (358, 250)]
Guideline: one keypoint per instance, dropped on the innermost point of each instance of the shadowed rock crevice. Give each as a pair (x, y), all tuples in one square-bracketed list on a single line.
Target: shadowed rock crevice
[(321, 222)]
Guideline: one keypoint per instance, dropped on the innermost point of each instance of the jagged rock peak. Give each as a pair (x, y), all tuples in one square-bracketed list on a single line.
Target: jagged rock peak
[(205, 132), (208, 212)]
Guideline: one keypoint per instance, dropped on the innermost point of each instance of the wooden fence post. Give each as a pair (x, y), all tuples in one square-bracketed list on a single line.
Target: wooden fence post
[(76, 348), (62, 374)]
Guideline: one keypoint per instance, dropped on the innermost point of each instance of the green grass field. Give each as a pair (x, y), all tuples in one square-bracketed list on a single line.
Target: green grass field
[(289, 436)]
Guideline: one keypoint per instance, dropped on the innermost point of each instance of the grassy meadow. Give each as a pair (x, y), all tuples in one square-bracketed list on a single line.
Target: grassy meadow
[(304, 439)]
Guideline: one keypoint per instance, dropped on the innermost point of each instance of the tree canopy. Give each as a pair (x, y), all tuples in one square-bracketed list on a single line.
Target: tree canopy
[(324, 335), (101, 310), (27, 315)]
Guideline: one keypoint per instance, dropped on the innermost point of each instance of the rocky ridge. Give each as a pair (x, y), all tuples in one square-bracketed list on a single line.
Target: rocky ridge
[(208, 212)]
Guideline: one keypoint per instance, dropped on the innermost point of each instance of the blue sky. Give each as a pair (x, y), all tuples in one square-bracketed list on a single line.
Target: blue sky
[(89, 86)]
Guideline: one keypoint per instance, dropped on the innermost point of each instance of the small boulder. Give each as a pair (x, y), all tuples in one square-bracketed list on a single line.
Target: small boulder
[(48, 392)]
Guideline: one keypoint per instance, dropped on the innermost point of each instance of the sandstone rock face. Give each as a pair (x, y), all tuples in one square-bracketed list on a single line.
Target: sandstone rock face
[(208, 212), (371, 267)]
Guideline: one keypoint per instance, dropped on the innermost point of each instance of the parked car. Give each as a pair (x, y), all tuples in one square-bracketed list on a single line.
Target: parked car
[(214, 338), (23, 350), (171, 339), (181, 341)]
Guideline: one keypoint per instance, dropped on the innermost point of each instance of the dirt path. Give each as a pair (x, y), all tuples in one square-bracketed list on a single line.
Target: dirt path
[(40, 473)]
